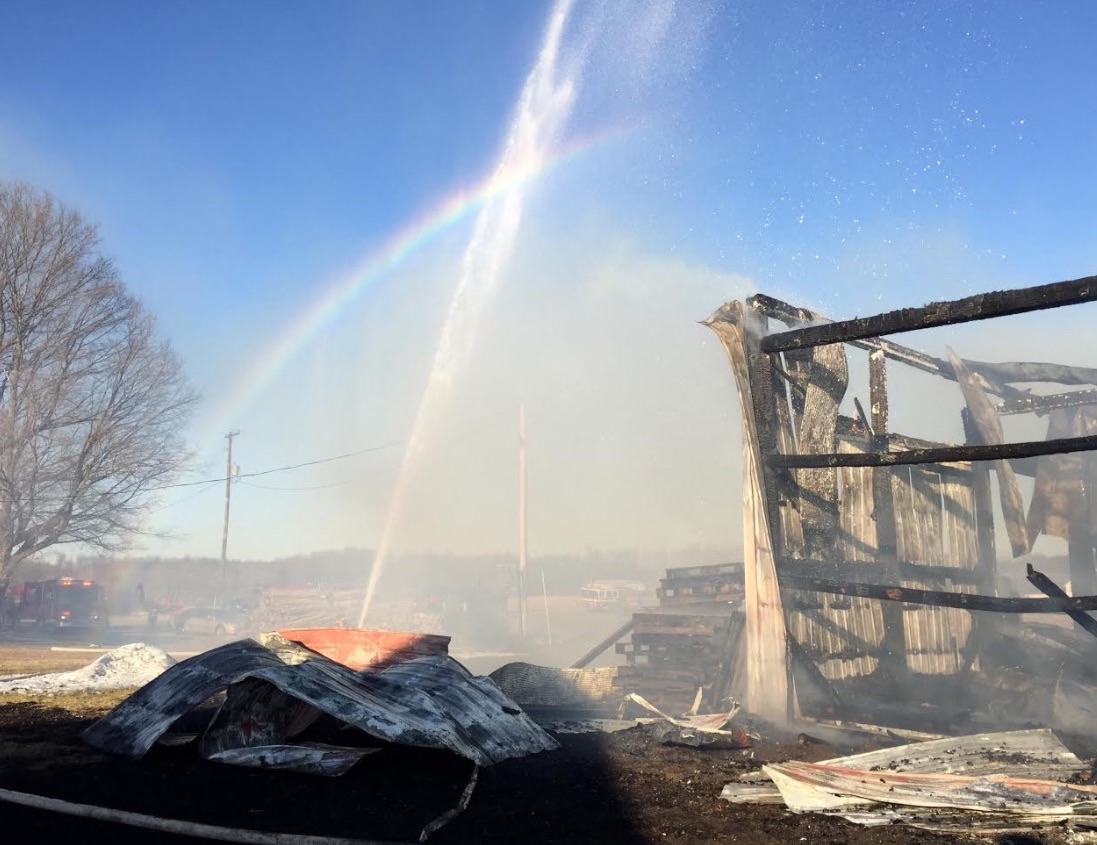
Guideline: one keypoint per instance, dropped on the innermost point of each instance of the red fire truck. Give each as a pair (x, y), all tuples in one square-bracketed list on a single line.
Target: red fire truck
[(63, 603)]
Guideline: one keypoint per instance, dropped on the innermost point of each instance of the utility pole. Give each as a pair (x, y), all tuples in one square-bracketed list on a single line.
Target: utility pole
[(522, 538), (228, 500)]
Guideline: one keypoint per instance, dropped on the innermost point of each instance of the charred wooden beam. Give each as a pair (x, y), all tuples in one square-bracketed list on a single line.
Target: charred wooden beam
[(602, 647), (961, 469), (1033, 404), (869, 573), (1048, 587), (904, 442), (979, 307), (939, 455), (1031, 371), (936, 598), (792, 315), (862, 416), (793, 383)]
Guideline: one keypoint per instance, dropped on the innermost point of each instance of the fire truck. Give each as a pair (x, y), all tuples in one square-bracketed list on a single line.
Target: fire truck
[(63, 603)]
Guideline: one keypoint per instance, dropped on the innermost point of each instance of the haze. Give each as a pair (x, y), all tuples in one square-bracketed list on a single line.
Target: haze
[(250, 162)]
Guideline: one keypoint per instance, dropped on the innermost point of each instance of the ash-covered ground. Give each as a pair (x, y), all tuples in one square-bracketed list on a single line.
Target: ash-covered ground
[(624, 787)]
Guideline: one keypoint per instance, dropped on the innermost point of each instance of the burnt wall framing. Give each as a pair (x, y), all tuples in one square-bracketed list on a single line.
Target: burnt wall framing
[(878, 548)]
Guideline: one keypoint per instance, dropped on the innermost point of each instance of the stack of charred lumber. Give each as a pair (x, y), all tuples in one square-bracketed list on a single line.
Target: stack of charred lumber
[(721, 582), (690, 642)]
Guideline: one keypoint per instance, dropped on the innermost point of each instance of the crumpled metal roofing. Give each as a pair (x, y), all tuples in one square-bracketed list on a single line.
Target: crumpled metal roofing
[(430, 702)]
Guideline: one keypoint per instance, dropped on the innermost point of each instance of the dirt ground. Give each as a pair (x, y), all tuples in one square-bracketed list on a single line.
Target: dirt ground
[(621, 788)]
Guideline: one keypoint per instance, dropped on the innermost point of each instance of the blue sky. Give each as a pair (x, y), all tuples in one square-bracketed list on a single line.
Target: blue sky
[(242, 158)]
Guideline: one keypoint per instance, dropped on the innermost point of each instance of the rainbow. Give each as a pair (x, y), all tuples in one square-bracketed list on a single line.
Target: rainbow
[(341, 293)]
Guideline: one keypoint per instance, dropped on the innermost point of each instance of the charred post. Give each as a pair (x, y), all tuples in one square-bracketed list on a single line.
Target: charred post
[(979, 307)]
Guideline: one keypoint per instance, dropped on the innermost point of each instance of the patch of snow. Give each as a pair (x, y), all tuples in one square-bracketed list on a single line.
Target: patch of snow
[(132, 665)]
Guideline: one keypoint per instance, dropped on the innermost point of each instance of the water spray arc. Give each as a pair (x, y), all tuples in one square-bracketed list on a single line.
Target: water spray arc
[(542, 110)]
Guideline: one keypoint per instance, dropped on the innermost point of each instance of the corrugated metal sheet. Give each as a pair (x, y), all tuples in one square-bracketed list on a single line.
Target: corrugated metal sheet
[(432, 702), (935, 527), (808, 787), (1036, 753), (934, 512), (842, 633)]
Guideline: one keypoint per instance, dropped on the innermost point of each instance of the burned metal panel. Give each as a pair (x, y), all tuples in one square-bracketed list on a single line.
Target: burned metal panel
[(857, 534), (431, 702), (838, 634), (767, 682), (1036, 752), (935, 513), (810, 787), (842, 634)]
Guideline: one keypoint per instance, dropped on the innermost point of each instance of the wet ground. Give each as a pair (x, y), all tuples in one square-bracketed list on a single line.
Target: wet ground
[(622, 788)]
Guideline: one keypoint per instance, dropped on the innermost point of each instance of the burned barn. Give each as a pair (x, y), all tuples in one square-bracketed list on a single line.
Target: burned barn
[(872, 574)]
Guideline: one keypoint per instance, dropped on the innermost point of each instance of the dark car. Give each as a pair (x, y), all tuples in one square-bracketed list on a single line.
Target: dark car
[(209, 620)]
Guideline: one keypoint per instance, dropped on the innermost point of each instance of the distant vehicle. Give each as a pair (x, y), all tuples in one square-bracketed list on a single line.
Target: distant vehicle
[(208, 620), (63, 603), (611, 595)]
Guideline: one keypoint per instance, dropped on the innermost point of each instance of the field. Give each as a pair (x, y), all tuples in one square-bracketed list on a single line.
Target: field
[(622, 788)]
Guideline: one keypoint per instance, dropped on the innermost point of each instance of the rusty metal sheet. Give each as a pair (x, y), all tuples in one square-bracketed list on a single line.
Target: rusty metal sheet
[(432, 702), (1038, 753), (808, 787)]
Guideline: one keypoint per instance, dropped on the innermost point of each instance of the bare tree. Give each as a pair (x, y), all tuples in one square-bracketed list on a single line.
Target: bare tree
[(92, 402)]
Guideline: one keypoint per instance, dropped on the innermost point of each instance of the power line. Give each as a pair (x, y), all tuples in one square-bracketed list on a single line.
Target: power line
[(185, 498), (47, 500), (281, 469), (313, 487)]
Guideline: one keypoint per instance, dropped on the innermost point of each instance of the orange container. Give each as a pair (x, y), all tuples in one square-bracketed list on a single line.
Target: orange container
[(362, 649)]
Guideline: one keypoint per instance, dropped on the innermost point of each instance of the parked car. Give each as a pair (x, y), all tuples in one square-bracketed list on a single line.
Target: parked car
[(208, 620)]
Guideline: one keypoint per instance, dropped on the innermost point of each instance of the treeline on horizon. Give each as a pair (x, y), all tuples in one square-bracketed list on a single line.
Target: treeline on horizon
[(406, 576), (193, 580)]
